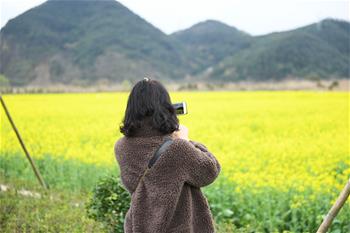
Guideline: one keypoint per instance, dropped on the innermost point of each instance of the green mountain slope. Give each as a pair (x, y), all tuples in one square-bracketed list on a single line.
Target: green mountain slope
[(85, 41), (92, 41), (210, 41), (320, 50)]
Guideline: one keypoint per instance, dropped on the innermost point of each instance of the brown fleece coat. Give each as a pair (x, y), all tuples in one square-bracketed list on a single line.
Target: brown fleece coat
[(169, 198)]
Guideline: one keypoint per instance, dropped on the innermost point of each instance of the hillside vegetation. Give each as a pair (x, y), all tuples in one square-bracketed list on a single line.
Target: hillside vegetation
[(89, 42)]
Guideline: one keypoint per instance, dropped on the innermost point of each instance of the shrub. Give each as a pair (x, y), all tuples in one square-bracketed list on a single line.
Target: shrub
[(109, 203)]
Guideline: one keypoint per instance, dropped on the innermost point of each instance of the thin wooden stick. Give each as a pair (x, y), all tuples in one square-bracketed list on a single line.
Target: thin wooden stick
[(335, 209), (36, 171)]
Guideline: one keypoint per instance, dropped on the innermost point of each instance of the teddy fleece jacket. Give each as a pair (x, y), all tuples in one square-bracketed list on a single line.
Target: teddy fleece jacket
[(168, 198)]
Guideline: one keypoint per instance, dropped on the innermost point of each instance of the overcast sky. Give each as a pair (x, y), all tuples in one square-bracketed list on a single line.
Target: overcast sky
[(256, 17)]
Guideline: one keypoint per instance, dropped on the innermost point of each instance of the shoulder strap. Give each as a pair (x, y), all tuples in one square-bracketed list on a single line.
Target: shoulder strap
[(161, 149)]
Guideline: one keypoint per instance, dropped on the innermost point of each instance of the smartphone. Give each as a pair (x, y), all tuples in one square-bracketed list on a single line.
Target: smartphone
[(180, 108)]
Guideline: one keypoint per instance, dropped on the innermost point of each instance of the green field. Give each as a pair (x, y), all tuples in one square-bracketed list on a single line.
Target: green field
[(284, 155)]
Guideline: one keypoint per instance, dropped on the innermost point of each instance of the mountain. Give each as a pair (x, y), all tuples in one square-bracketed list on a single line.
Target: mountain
[(80, 42), (317, 51), (210, 41), (100, 41)]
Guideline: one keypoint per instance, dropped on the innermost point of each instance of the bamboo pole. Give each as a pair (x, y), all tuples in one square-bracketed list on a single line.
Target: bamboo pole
[(327, 221), (36, 171)]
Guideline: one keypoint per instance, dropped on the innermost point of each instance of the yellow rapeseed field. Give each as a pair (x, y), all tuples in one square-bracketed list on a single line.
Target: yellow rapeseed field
[(281, 140)]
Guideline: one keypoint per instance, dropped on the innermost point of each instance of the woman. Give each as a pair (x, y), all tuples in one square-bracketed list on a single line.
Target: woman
[(168, 198)]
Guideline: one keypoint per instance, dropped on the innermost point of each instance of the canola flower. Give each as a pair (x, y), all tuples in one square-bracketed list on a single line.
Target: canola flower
[(282, 140)]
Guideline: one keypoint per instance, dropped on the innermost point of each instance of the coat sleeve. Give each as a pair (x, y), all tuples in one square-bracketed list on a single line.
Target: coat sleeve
[(199, 167)]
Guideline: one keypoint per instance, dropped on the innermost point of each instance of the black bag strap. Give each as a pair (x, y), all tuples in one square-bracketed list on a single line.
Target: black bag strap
[(168, 140), (161, 149)]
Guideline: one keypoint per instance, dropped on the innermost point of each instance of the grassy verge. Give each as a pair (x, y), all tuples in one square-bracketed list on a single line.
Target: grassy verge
[(54, 211)]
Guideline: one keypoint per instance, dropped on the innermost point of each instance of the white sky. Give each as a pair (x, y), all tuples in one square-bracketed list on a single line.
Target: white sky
[(253, 16)]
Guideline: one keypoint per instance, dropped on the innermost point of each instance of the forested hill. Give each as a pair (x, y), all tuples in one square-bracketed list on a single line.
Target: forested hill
[(210, 41), (317, 51), (84, 42)]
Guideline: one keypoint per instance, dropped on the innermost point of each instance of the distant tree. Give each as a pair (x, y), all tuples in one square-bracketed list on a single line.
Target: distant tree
[(4, 82), (333, 85), (126, 85)]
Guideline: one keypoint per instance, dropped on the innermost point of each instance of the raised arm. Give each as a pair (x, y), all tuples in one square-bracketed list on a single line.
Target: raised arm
[(199, 167)]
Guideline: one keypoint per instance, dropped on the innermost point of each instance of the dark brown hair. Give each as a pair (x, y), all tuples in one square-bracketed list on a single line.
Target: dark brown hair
[(149, 98)]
